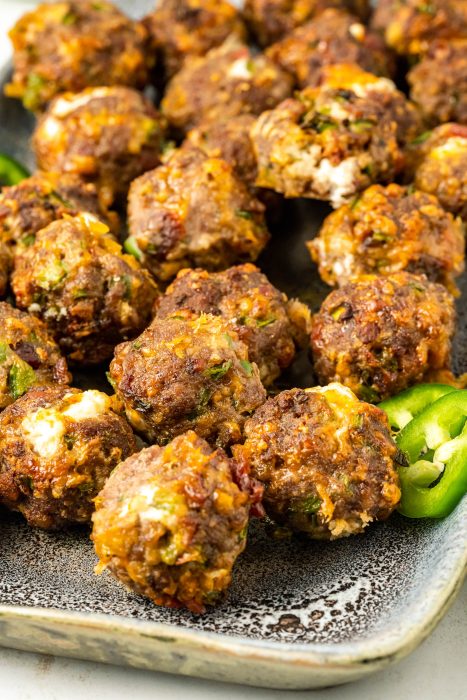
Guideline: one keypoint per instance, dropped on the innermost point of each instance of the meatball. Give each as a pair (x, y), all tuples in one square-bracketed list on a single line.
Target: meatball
[(410, 26), (68, 46), (378, 335), (230, 140), (171, 522), (439, 165), (271, 326), (388, 229), (28, 355), (77, 279), (333, 37), (5, 267), (193, 212), (57, 448), (181, 29), (438, 84), (331, 141), (45, 197), (326, 459), (106, 135), (271, 20), (187, 373), (228, 81)]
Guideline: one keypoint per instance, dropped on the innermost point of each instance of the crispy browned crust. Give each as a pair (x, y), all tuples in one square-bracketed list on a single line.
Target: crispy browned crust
[(68, 46), (271, 326), (91, 295), (386, 230), (26, 344), (326, 461), (334, 36), (171, 521), (438, 84), (187, 374), (193, 211), (55, 491), (45, 197), (410, 26), (228, 81), (439, 166), (271, 20), (181, 29), (106, 135), (378, 335)]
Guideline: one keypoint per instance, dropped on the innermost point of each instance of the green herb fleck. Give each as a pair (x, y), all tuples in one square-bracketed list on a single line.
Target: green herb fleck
[(132, 247), (32, 94), (243, 214), (367, 393), (359, 126), (218, 371), (28, 240), (111, 381), (69, 18), (247, 367), (265, 322), (381, 236), (21, 377), (421, 138)]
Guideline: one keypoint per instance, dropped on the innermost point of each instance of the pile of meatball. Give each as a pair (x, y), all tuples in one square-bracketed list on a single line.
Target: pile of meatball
[(165, 148)]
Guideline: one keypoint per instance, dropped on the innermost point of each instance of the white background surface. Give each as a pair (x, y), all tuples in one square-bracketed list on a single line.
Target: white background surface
[(435, 671)]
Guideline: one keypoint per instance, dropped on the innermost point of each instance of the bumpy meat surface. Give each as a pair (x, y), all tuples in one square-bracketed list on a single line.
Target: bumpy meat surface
[(269, 324), (45, 197), (326, 460), (334, 140), (438, 84), (439, 166), (91, 295), (28, 355), (380, 334), (5, 267), (106, 135), (388, 229), (193, 211), (181, 29), (228, 81), (68, 46), (332, 37), (409, 26), (271, 20), (187, 374), (230, 140), (57, 448), (171, 522)]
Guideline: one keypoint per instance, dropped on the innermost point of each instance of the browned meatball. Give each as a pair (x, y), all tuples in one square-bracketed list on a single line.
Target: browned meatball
[(187, 374), (438, 84), (388, 229), (438, 161), (228, 81), (269, 324), (106, 135), (171, 522), (45, 197), (77, 279), (326, 460), (181, 29), (193, 211), (409, 26), (57, 448), (28, 355), (271, 20), (380, 334), (72, 45), (333, 36), (334, 140), (230, 140), (5, 267)]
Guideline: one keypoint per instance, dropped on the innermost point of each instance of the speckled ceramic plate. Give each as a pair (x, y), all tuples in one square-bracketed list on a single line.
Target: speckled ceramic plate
[(299, 614)]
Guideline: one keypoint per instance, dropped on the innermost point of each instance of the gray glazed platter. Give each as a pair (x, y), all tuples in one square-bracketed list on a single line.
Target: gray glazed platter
[(299, 614)]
